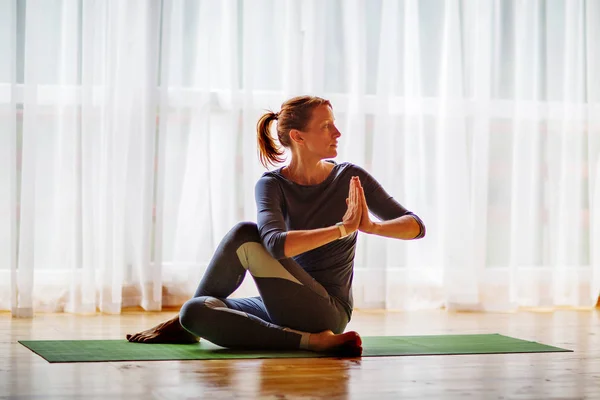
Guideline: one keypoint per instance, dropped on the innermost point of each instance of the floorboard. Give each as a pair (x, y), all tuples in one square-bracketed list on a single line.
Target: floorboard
[(575, 375)]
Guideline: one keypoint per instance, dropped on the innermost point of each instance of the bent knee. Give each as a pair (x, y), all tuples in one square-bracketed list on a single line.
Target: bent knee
[(194, 312), (246, 229), (244, 232)]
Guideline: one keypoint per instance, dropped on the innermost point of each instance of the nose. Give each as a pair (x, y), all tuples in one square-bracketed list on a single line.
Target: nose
[(337, 133)]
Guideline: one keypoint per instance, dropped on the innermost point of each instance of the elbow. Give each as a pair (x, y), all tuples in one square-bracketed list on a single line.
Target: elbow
[(272, 249), (422, 230), (274, 244)]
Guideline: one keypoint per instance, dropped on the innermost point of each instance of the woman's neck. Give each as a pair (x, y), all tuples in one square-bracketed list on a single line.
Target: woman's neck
[(307, 173)]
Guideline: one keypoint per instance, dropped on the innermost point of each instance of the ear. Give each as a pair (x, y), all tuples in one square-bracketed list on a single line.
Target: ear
[(297, 136)]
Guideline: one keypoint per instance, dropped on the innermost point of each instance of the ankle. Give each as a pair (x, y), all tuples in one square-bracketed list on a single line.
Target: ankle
[(304, 338), (319, 341)]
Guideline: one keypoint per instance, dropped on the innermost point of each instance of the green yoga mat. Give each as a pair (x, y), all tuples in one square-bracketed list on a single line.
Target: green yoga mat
[(61, 351)]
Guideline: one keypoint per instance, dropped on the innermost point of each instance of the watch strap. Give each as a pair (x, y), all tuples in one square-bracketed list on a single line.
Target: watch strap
[(342, 229)]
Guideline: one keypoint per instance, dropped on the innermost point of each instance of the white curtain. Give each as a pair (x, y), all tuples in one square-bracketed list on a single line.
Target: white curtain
[(127, 143)]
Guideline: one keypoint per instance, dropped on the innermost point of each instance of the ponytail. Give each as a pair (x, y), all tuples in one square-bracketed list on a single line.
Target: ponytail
[(295, 113), (268, 150)]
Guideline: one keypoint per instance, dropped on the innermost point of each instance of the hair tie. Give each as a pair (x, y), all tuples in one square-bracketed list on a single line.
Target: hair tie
[(276, 115)]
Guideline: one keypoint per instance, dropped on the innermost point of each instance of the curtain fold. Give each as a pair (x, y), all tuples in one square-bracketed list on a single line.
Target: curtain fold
[(128, 143), (8, 157)]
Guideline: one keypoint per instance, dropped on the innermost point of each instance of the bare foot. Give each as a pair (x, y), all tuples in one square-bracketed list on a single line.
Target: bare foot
[(169, 331), (346, 344)]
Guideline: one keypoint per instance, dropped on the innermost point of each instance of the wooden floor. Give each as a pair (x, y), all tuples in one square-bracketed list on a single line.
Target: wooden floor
[(576, 375)]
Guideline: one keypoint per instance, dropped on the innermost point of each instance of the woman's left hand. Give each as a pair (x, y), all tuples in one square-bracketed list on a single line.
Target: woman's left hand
[(366, 225)]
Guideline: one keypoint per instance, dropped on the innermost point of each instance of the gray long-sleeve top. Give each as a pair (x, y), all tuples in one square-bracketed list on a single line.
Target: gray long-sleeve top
[(284, 206)]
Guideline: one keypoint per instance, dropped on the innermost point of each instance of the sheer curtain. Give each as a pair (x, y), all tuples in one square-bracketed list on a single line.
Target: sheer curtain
[(127, 143)]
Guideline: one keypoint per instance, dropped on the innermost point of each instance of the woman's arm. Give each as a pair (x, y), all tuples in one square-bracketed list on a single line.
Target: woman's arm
[(298, 242), (282, 243), (405, 227), (397, 222)]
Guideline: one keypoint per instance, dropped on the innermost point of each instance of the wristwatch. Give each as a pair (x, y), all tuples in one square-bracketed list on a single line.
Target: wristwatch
[(342, 229)]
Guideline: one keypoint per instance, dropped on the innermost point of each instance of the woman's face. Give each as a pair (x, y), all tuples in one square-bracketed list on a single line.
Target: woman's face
[(320, 137)]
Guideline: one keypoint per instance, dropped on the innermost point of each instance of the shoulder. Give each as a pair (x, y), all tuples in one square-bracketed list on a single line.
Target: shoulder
[(369, 182), (267, 179), (268, 184), (353, 169)]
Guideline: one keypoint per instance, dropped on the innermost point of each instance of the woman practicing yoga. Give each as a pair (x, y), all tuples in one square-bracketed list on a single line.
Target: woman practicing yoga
[(301, 251)]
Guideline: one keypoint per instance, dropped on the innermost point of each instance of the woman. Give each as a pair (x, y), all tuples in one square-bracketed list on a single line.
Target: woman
[(301, 252)]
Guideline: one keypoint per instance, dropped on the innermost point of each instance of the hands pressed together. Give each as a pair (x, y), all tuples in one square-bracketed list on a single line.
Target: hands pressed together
[(357, 214)]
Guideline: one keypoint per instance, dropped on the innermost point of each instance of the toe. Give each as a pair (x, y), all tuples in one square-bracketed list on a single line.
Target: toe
[(357, 352), (353, 351), (151, 339), (135, 338), (354, 338), (144, 339)]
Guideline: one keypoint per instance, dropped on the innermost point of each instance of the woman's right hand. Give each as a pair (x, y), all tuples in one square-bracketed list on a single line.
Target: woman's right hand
[(353, 214)]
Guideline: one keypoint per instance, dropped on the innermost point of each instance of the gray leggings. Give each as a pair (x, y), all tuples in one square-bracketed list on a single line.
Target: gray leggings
[(290, 306)]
